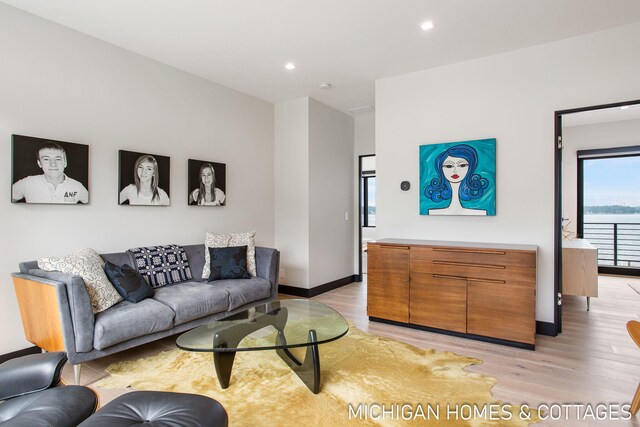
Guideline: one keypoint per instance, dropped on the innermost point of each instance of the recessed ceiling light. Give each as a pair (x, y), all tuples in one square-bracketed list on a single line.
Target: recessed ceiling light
[(624, 107), (290, 66), (427, 25), (325, 85)]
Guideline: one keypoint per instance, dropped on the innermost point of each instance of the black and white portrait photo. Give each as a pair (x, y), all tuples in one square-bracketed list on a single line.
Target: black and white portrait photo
[(49, 171), (143, 179), (206, 183)]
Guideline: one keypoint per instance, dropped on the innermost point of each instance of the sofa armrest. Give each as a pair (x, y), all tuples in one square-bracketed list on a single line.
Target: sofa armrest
[(268, 266), (28, 374), (56, 311)]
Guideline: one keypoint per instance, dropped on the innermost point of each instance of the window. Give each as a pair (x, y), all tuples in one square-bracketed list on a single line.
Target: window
[(609, 206), (368, 201)]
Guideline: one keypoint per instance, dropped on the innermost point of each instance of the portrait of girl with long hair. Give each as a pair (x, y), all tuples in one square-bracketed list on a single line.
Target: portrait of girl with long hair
[(458, 178), (206, 183), (147, 175)]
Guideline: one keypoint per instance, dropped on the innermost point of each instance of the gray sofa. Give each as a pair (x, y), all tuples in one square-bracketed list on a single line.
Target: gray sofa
[(172, 309)]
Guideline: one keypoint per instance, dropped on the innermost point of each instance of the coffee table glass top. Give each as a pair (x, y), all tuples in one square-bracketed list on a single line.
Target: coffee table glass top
[(257, 328)]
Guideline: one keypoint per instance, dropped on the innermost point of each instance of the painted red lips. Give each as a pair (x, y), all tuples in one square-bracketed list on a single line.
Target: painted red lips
[(455, 176)]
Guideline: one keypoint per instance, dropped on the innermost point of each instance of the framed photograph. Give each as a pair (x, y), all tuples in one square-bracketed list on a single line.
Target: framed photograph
[(458, 178), (207, 183), (48, 171), (143, 179)]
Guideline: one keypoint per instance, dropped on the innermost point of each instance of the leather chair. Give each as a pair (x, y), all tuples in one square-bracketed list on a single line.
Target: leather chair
[(28, 386)]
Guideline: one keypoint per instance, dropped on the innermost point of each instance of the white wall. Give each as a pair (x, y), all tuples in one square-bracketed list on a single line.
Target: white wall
[(292, 190), (57, 83), (589, 137), (511, 97), (331, 215), (364, 142), (314, 145)]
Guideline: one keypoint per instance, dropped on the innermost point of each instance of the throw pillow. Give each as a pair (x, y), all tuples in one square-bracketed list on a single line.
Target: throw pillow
[(128, 282), (88, 265), (228, 263), (162, 265), (241, 239), (213, 240)]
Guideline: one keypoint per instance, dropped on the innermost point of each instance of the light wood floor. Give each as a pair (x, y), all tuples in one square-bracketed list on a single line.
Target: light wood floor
[(593, 361)]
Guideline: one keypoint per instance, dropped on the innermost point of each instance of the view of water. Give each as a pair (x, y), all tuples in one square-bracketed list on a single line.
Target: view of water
[(598, 229), (635, 218)]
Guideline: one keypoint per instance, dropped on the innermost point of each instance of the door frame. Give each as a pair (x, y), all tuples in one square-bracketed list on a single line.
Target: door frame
[(557, 226), (360, 214)]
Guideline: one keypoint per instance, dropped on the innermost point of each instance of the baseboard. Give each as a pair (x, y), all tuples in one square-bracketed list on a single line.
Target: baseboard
[(23, 352), (515, 344), (546, 328), (317, 290)]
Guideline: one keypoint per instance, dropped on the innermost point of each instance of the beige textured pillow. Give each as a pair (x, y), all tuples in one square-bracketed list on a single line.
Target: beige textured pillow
[(213, 240), (88, 265)]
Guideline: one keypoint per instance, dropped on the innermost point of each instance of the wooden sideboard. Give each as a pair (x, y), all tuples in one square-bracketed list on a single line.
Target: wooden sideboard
[(580, 269), (482, 291)]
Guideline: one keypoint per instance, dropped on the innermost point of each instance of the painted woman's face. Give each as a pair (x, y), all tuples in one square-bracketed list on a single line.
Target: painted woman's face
[(455, 169), (145, 171), (207, 176)]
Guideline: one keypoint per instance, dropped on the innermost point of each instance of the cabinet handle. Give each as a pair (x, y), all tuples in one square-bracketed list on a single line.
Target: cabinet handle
[(394, 247), (468, 279), (471, 251), (463, 264)]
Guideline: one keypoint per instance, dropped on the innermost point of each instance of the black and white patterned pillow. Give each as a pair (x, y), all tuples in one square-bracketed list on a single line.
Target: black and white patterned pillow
[(162, 265)]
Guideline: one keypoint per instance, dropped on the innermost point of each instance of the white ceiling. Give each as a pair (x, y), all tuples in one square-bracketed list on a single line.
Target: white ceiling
[(244, 44), (606, 115)]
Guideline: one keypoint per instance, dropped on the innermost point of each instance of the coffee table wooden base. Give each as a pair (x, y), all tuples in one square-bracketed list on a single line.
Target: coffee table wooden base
[(308, 370)]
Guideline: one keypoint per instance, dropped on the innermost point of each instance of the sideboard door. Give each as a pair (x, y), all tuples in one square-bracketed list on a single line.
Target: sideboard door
[(388, 282), (504, 310), (438, 302)]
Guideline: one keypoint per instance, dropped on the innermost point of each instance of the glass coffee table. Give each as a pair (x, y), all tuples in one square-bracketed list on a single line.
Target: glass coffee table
[(276, 325)]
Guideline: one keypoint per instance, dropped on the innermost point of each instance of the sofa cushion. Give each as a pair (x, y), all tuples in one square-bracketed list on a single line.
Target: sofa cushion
[(127, 320), (162, 265), (244, 291), (192, 300), (228, 263), (128, 282), (195, 255), (88, 265)]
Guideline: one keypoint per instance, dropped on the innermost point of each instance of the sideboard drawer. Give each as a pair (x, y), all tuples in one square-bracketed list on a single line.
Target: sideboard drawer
[(475, 256), (475, 271)]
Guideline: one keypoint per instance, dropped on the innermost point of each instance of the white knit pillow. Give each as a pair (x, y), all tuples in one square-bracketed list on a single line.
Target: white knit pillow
[(90, 266), (213, 240)]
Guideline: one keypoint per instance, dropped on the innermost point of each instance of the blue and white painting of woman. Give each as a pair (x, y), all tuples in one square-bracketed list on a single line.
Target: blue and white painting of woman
[(458, 178)]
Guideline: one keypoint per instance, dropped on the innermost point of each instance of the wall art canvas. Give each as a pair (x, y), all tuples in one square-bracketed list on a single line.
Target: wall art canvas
[(143, 179), (458, 178), (49, 171), (207, 183)]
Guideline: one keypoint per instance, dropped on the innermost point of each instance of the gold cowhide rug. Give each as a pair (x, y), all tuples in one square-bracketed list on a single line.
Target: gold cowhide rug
[(364, 372)]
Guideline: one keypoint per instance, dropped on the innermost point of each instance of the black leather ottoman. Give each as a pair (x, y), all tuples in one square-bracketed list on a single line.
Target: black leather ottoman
[(159, 409)]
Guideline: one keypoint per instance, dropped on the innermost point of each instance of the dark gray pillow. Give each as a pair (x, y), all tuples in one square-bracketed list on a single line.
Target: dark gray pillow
[(128, 282), (228, 263)]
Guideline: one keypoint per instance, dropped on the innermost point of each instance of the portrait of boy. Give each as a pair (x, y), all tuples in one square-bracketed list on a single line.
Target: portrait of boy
[(42, 169)]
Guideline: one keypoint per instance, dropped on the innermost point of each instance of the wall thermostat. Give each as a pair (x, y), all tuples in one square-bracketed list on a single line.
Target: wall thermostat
[(405, 185)]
